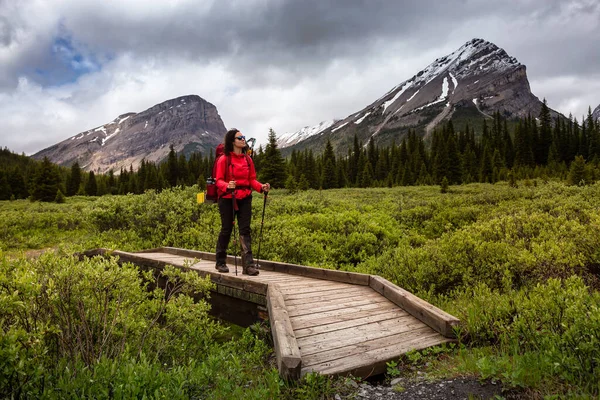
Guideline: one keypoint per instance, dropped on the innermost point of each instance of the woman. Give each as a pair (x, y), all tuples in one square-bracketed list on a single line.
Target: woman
[(236, 177)]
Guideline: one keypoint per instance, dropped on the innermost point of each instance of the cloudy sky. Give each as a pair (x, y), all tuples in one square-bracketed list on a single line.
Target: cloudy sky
[(70, 65)]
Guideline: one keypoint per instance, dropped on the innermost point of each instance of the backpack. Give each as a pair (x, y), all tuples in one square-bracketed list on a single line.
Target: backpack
[(212, 194)]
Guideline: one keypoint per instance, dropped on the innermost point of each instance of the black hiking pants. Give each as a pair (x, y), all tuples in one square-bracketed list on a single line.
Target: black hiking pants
[(244, 216)]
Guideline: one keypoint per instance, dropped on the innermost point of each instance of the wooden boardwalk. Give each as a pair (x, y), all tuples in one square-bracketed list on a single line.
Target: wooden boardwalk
[(327, 321)]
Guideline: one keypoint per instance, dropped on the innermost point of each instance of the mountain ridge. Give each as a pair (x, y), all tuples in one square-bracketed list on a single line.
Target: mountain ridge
[(188, 123)]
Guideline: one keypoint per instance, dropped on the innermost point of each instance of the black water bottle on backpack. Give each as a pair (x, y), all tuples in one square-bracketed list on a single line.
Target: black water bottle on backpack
[(211, 190)]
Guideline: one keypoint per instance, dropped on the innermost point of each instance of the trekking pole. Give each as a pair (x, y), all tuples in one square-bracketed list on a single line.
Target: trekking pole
[(234, 234), (262, 222)]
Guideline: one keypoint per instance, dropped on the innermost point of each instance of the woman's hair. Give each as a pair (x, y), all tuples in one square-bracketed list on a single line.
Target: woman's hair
[(229, 138)]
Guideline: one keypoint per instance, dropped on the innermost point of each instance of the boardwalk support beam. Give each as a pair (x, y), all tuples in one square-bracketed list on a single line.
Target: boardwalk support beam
[(287, 351)]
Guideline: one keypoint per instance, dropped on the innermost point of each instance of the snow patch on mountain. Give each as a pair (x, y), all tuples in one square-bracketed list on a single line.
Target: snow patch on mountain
[(289, 139), (397, 96), (339, 127), (358, 121), (109, 136)]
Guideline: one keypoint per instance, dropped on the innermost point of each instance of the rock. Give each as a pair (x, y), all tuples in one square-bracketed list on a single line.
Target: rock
[(395, 381)]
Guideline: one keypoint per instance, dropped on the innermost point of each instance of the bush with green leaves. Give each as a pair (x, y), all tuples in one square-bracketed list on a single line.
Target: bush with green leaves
[(59, 312), (545, 334)]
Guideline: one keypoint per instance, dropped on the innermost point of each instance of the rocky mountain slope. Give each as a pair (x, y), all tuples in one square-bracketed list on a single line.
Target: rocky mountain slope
[(596, 113), (189, 123), (467, 85)]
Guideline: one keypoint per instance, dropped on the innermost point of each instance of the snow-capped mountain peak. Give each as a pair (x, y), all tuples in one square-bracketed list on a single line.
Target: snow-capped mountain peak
[(472, 82)]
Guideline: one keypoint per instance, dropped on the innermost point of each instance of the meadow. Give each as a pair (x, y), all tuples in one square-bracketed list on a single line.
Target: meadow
[(519, 266)]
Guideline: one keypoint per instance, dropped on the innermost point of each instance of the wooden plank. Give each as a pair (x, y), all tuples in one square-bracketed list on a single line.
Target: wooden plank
[(367, 345), (272, 278), (303, 287), (349, 294), (349, 336), (313, 283), (343, 315), (426, 312), (350, 322), (307, 292), (329, 316), (302, 309), (287, 352), (373, 362)]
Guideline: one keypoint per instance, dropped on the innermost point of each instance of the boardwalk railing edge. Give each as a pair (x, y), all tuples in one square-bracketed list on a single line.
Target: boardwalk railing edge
[(287, 352), (294, 269), (436, 318)]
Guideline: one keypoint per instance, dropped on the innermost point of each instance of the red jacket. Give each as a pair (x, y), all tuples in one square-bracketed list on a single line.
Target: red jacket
[(240, 168)]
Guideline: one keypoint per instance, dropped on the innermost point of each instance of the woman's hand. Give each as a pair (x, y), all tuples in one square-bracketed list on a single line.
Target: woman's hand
[(266, 187), (231, 185)]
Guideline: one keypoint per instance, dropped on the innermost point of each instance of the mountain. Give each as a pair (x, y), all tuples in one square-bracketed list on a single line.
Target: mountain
[(189, 123), (467, 85), (596, 113)]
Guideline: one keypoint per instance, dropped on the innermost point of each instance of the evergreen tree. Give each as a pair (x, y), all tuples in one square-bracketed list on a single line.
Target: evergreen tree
[(303, 183), (486, 169), (74, 180), (508, 151), (290, 184), (112, 182), (46, 182), (469, 165), (372, 153), (183, 178), (366, 178), (545, 138), (577, 172), (444, 185), (60, 197), (454, 168), (310, 170), (329, 179), (353, 160), (5, 190), (497, 166), (91, 186), (151, 180), (172, 167), (523, 152), (272, 164), (16, 181)]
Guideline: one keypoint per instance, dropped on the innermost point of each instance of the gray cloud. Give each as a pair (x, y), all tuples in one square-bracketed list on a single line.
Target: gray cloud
[(266, 63)]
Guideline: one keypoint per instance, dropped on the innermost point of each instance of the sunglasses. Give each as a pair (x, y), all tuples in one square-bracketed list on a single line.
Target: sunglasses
[(240, 137)]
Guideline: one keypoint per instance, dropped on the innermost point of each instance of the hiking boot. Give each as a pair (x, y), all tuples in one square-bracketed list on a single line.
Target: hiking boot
[(222, 268), (250, 270)]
